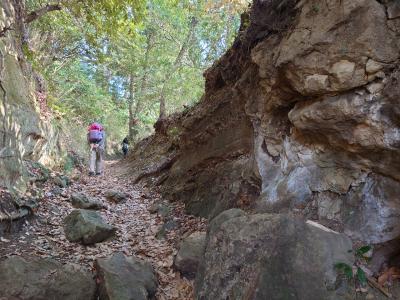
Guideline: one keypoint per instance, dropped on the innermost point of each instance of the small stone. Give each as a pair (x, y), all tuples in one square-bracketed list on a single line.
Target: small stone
[(153, 208), (80, 200), (393, 9), (115, 196), (56, 191)]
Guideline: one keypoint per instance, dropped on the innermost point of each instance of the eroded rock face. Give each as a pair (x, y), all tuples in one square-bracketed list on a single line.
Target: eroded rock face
[(125, 278), (302, 112), (24, 134), (43, 279), (272, 256)]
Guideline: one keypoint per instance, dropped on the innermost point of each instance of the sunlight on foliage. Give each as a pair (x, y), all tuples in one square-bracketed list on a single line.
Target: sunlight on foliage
[(112, 60)]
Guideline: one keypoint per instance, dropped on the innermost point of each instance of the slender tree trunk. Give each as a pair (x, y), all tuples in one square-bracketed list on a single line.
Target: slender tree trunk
[(131, 121), (144, 79), (175, 67)]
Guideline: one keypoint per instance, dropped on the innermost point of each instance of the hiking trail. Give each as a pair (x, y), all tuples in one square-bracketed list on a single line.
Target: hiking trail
[(43, 235)]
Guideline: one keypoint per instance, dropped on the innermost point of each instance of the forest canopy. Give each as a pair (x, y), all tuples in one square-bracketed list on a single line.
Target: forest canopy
[(126, 63)]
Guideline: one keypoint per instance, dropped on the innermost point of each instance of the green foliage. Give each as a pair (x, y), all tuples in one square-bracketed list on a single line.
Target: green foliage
[(344, 268), (363, 250), (68, 165), (361, 277), (88, 52)]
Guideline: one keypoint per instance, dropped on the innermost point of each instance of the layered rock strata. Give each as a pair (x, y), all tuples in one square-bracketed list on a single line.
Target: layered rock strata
[(301, 114)]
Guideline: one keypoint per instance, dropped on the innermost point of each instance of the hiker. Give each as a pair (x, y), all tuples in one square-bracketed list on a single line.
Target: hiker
[(96, 138), (125, 146)]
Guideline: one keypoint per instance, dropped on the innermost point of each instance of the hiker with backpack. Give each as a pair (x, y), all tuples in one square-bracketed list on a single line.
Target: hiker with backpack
[(96, 138), (125, 146)]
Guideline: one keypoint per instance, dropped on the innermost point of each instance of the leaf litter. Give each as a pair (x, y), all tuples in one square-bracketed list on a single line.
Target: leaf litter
[(43, 234)]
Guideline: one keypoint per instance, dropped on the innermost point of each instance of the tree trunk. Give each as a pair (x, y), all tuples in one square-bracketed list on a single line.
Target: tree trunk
[(175, 66), (131, 122), (143, 81)]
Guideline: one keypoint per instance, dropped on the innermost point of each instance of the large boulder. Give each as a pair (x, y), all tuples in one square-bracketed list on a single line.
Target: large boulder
[(43, 279), (272, 256), (190, 254), (80, 200), (87, 227), (125, 278)]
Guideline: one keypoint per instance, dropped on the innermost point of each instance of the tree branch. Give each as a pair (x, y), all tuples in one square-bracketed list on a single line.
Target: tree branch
[(4, 30), (41, 11)]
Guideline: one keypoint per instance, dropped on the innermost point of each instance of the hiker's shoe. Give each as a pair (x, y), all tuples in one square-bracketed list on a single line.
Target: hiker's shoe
[(91, 173), (98, 174)]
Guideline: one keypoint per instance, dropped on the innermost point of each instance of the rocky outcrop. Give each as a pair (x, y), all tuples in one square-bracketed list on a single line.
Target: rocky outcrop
[(125, 278), (87, 227), (24, 134), (302, 113), (272, 256), (39, 278)]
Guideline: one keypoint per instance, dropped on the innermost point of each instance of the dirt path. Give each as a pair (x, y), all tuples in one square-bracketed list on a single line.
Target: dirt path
[(43, 234)]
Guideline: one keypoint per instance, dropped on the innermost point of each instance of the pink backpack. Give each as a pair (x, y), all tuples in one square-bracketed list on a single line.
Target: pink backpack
[(95, 133)]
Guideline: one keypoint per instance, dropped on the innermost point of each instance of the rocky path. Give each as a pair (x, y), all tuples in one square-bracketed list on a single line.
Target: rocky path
[(43, 235)]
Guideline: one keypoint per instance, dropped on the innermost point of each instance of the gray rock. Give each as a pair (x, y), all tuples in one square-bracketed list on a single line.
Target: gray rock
[(272, 256), (371, 210), (125, 278), (43, 279), (80, 200), (87, 227), (167, 226), (223, 217), (393, 9), (56, 191), (162, 209), (62, 181), (190, 254), (115, 196)]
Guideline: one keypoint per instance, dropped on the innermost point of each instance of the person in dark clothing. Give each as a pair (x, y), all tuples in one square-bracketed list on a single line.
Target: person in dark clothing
[(125, 146)]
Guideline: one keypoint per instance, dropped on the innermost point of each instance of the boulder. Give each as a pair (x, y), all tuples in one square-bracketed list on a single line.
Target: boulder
[(190, 254), (87, 227), (43, 279), (125, 278), (80, 200), (272, 256), (115, 196)]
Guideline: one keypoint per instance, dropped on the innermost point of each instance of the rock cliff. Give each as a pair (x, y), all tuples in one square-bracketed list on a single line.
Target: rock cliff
[(301, 114), (24, 134)]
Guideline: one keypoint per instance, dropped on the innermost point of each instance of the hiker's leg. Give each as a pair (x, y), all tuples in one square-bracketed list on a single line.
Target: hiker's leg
[(92, 161), (99, 161)]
